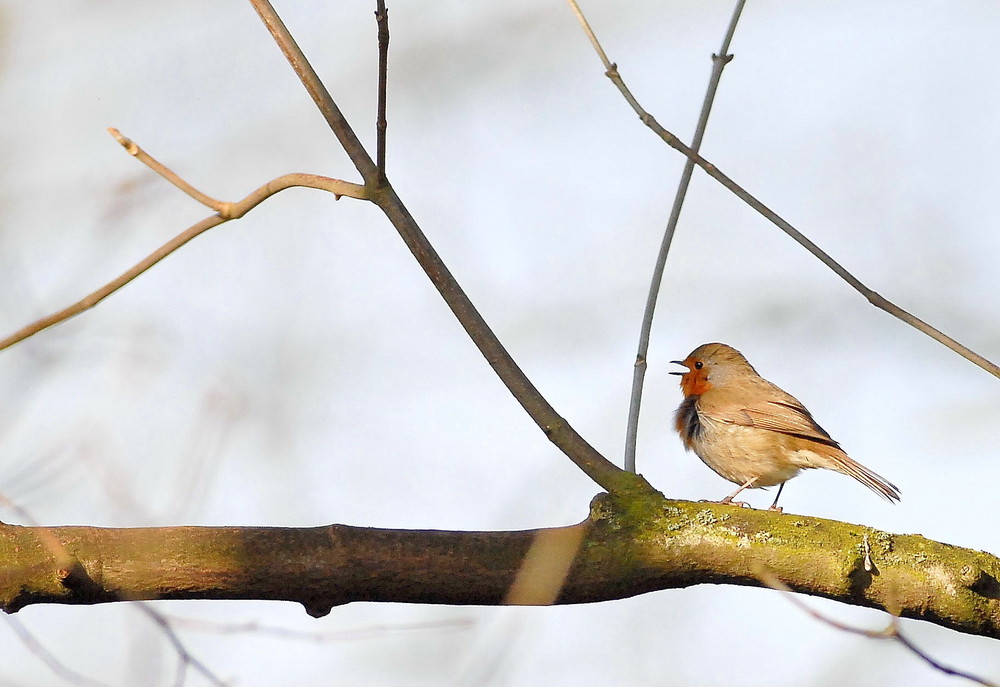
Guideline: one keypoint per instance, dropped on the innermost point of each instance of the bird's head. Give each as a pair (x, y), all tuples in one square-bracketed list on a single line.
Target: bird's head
[(711, 365)]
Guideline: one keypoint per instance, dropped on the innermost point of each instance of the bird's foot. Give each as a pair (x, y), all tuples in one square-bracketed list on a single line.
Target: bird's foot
[(728, 501), (776, 509)]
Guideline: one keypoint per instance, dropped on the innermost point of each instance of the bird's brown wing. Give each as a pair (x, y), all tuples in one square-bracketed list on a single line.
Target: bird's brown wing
[(790, 418), (766, 406)]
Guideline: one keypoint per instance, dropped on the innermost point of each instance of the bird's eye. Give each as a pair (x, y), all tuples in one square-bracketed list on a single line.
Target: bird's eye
[(698, 365)]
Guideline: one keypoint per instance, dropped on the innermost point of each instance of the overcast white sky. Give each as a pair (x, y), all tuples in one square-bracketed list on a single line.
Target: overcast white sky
[(296, 368)]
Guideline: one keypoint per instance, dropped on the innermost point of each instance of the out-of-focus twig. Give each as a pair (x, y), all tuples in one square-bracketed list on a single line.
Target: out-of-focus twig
[(546, 565), (185, 658), (320, 637), (891, 632), (874, 298), (54, 664)]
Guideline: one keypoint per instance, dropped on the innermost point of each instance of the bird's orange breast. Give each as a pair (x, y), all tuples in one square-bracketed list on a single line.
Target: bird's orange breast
[(695, 383)]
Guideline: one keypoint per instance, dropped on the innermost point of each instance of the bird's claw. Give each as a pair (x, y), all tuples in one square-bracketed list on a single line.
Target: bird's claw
[(728, 502)]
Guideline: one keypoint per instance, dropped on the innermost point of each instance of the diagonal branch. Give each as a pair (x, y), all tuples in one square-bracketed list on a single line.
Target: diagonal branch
[(891, 632), (307, 75), (555, 427), (64, 673), (719, 63), (185, 658), (874, 298)]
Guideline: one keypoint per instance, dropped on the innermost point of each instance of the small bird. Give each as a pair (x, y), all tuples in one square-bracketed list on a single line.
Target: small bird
[(751, 432)]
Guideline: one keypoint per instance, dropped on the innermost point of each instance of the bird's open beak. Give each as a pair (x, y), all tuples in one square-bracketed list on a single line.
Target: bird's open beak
[(679, 362)]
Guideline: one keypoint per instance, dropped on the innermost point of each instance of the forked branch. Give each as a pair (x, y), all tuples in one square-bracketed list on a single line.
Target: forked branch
[(555, 427), (225, 211)]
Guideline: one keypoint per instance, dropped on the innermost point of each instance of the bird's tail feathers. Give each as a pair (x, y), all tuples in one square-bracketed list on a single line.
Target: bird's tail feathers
[(870, 479)]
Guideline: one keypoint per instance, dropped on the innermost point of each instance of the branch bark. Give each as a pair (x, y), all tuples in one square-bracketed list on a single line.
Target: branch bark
[(626, 547)]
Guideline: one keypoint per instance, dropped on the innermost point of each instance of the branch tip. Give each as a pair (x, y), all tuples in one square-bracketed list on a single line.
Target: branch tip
[(128, 144)]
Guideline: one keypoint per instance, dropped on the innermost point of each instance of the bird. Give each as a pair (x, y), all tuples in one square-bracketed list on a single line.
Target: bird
[(751, 432)]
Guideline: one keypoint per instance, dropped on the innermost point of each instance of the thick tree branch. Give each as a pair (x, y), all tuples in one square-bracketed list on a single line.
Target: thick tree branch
[(626, 547)]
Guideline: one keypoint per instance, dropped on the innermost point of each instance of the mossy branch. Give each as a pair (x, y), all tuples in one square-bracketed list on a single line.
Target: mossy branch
[(626, 547)]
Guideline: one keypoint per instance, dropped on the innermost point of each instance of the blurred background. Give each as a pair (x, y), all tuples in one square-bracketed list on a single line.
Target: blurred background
[(295, 368)]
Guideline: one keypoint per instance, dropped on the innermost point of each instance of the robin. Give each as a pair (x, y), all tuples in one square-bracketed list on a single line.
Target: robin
[(751, 432)]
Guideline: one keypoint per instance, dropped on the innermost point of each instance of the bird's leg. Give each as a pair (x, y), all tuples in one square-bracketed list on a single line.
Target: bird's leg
[(745, 485), (774, 506)]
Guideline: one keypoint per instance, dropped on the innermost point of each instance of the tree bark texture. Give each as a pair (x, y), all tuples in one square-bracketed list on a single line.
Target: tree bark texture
[(624, 548)]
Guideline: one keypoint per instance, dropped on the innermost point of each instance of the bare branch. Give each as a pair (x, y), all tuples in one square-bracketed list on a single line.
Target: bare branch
[(236, 210), (334, 117), (892, 631), (874, 298), (628, 546), (68, 570), (133, 149), (555, 427), (226, 211), (382, 18), (719, 63)]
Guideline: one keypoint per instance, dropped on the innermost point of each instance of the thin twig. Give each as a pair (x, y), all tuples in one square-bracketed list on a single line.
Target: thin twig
[(719, 62), (226, 212), (184, 656), (892, 631), (92, 299), (559, 432), (874, 298), (145, 158), (382, 19), (47, 657), (362, 633), (236, 210), (307, 75)]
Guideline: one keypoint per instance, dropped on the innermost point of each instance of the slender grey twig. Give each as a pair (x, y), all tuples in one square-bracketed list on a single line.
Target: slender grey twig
[(874, 298), (719, 63)]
